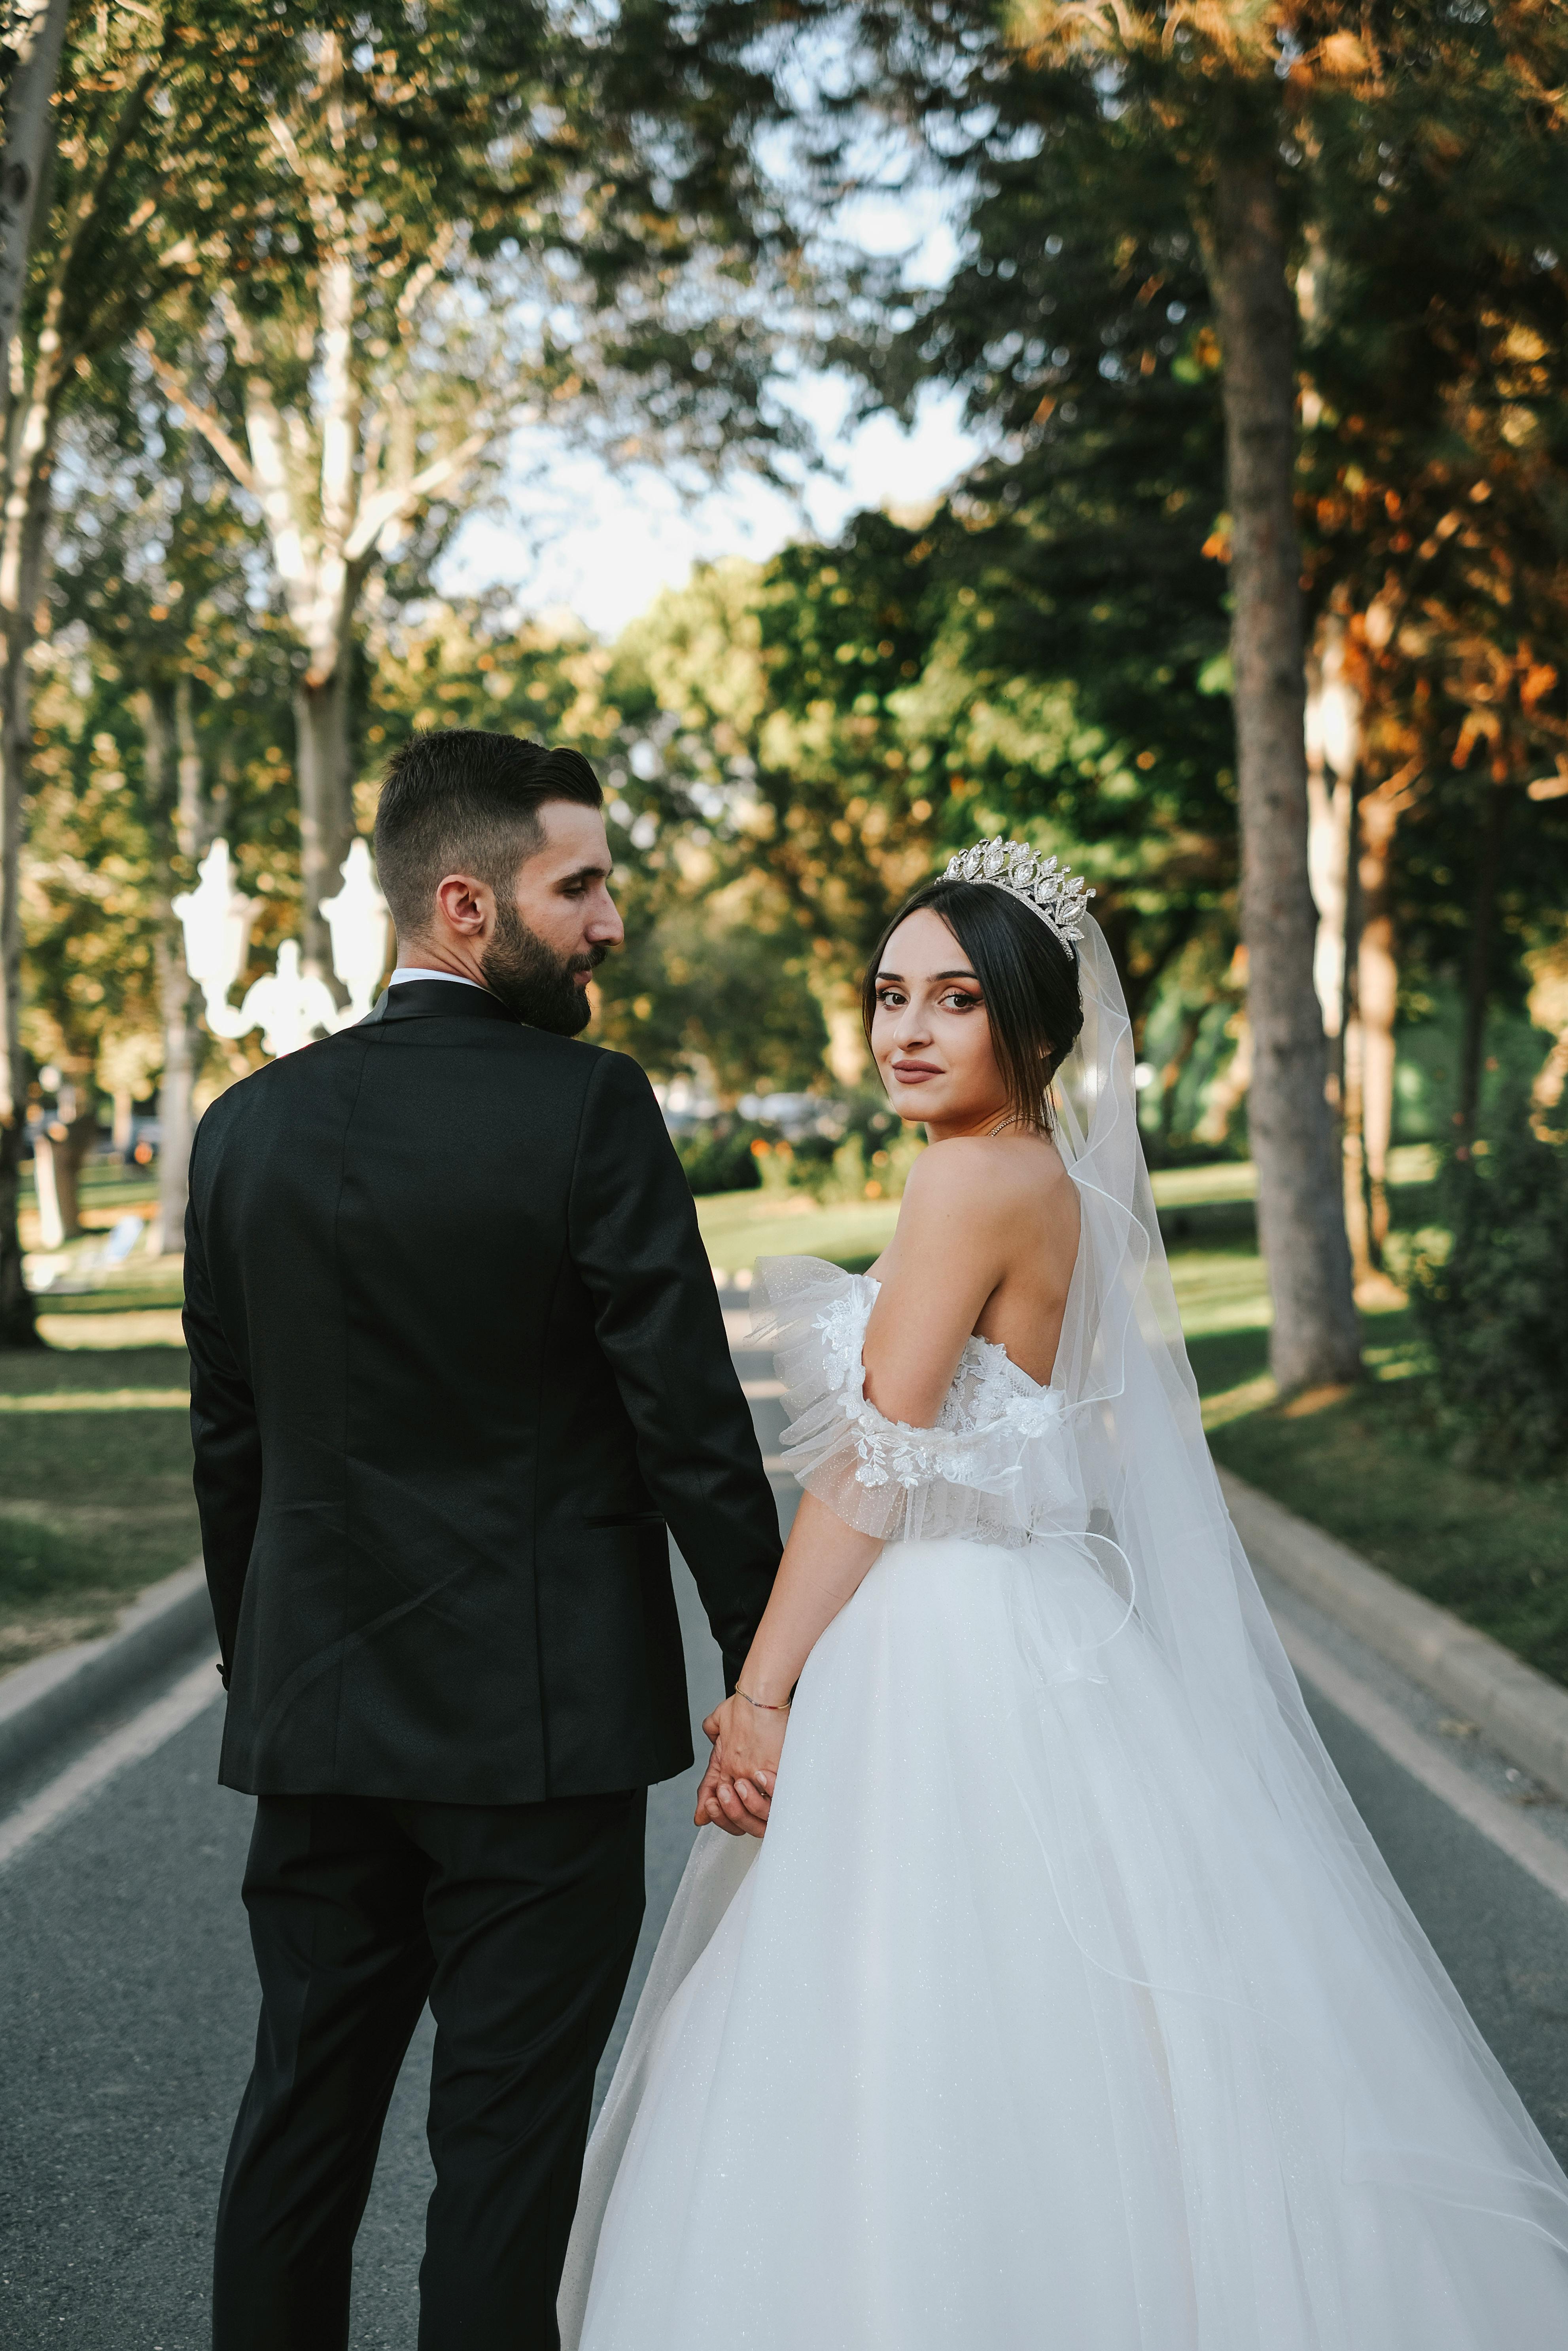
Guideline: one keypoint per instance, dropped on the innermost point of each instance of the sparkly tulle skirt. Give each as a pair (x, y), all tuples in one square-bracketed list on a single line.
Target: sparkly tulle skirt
[(1035, 2022)]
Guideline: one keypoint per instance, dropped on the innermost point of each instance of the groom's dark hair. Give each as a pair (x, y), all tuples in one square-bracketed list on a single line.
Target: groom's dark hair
[(460, 801)]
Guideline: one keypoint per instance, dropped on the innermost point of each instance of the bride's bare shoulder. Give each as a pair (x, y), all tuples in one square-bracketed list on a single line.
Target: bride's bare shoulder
[(982, 1179)]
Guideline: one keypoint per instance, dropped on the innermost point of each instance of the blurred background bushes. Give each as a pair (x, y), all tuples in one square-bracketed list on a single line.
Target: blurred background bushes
[(1489, 1292)]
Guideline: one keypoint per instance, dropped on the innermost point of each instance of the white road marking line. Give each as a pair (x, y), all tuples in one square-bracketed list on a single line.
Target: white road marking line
[(141, 1737), (1510, 1831), (757, 1391)]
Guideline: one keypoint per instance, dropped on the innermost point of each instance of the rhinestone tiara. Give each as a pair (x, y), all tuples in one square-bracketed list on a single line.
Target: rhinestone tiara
[(1042, 885)]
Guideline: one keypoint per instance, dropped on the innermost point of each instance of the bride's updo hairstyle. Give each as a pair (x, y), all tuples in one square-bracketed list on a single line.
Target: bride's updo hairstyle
[(1030, 980)]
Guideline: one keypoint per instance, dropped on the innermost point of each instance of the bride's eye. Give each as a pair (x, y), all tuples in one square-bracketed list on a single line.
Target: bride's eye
[(890, 998), (958, 999)]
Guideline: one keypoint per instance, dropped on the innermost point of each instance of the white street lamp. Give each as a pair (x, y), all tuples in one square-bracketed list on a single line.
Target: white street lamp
[(358, 918), (289, 1006), (215, 919)]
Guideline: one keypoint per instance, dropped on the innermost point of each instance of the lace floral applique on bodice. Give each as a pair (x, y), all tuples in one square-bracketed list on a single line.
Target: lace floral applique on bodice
[(996, 1467)]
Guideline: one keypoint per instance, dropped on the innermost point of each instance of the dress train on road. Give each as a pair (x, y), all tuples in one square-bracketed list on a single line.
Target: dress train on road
[(895, 2105)]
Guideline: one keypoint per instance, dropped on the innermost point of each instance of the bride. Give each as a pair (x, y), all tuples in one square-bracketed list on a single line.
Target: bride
[(1068, 2003)]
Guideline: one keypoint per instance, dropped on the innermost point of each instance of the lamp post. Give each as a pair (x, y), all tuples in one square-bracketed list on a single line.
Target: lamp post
[(357, 919), (287, 1005), (215, 919)]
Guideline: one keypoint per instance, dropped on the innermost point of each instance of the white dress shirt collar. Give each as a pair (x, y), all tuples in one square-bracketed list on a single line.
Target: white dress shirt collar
[(417, 971)]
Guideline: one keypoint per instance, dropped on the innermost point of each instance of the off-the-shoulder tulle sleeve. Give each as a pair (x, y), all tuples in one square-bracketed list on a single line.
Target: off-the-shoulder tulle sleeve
[(998, 1468)]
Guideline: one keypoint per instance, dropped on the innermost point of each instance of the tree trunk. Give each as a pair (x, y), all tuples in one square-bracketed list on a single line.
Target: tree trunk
[(176, 1121), (1377, 991), (178, 1007), (36, 32), (1300, 1215), (326, 820), (1477, 980), (21, 565), (46, 1193), (1328, 866), (17, 1326), (72, 1151), (1353, 1065), (59, 1155), (1548, 1003), (1228, 1091), (1333, 759)]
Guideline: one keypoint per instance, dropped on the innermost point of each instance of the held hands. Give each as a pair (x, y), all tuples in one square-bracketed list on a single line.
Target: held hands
[(823, 1562), (736, 1792)]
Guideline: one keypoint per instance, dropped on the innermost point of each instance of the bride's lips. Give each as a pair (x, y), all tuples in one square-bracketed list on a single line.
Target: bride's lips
[(915, 1074)]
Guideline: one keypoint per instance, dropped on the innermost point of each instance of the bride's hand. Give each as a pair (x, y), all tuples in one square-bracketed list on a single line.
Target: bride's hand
[(739, 1814), (736, 1792)]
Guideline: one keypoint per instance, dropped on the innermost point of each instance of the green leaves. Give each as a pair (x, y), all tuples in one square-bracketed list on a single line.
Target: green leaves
[(1487, 1304)]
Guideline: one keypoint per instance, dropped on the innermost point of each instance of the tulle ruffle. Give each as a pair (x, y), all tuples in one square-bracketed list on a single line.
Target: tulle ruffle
[(998, 1467)]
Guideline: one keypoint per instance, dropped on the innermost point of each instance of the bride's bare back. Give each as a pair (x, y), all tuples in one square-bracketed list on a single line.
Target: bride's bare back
[(986, 1241)]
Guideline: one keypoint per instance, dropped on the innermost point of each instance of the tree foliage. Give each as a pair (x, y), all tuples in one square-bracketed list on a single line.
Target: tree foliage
[(1487, 1300), (151, 127)]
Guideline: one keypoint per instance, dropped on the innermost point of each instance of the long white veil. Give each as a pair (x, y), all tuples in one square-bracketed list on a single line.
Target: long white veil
[(1435, 2114)]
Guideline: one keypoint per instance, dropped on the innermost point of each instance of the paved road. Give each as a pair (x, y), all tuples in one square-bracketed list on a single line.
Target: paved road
[(127, 2011)]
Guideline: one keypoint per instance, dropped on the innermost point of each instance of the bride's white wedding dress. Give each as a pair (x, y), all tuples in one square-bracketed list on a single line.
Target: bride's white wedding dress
[(1066, 2004)]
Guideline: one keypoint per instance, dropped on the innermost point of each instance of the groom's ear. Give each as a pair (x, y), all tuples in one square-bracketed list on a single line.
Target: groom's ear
[(465, 906)]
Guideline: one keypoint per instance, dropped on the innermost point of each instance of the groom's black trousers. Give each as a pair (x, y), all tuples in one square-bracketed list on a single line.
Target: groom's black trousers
[(517, 1922)]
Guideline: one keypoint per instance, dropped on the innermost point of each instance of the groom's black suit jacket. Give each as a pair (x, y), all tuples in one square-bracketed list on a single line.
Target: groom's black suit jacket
[(457, 1363)]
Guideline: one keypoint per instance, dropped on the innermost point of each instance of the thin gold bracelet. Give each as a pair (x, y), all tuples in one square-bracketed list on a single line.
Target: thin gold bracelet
[(761, 1703)]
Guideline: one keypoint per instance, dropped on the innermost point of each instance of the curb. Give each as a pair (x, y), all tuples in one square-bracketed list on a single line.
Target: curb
[(1519, 1710), (42, 1701)]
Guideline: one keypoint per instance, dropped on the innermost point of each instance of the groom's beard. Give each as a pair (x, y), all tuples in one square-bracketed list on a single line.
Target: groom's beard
[(533, 982)]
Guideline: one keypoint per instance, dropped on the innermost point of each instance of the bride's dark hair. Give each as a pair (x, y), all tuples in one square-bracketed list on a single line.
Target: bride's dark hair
[(1030, 980)]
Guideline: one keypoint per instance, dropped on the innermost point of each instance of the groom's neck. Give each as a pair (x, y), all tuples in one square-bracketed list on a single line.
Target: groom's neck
[(430, 955)]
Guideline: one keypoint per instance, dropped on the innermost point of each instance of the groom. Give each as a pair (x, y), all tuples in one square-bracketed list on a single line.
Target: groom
[(458, 1372)]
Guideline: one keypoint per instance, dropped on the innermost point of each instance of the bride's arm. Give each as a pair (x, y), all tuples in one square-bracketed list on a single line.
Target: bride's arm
[(823, 1565), (945, 1260)]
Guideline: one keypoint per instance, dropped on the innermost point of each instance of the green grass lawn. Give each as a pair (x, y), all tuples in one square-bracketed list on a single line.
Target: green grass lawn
[(95, 1498), (95, 1489), (95, 1441), (741, 1227), (1364, 1466)]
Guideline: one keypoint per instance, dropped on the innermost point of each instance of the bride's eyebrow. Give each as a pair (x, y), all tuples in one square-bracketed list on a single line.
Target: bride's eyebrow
[(897, 978)]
